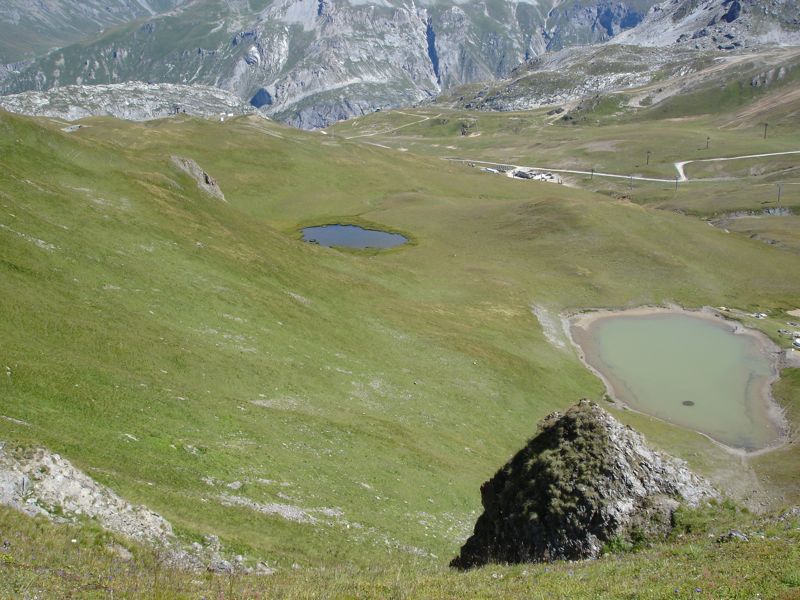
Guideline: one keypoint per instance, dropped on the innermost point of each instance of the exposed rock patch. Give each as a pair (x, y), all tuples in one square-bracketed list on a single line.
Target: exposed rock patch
[(286, 511), (204, 181), (38, 482), (550, 326), (583, 481), (135, 101), (716, 24)]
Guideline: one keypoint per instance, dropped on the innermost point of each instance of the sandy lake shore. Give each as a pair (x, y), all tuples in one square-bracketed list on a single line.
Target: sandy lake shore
[(577, 326)]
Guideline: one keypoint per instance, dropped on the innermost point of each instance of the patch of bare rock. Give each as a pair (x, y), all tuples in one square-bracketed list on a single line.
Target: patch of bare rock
[(41, 483), (205, 182), (38, 482)]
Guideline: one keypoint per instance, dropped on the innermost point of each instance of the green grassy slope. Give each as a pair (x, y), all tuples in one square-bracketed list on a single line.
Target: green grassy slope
[(707, 122), (157, 337), (64, 561)]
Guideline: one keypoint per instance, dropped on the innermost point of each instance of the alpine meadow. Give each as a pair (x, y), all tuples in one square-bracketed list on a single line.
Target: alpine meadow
[(196, 402)]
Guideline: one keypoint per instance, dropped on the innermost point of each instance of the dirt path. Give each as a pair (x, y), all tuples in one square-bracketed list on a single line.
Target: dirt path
[(680, 165), (770, 102), (422, 120), (663, 90)]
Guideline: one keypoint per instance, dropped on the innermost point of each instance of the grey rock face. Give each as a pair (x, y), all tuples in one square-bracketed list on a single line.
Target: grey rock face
[(584, 480), (573, 23), (582, 73), (206, 184), (311, 62), (36, 482), (134, 101), (718, 24)]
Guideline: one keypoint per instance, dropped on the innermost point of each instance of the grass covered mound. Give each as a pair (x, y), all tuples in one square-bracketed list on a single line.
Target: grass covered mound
[(585, 481)]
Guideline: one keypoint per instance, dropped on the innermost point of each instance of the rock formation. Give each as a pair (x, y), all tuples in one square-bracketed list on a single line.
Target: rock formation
[(585, 480), (205, 182), (134, 101), (38, 482), (312, 62), (717, 24)]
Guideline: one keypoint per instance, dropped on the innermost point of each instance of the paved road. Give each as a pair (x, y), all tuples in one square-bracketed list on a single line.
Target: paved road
[(679, 167), (570, 171)]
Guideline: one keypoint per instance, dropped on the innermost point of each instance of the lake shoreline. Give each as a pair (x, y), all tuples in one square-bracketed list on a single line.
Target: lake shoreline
[(583, 319)]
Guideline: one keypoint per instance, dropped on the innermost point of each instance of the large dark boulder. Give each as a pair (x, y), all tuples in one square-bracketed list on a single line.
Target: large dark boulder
[(585, 480), (734, 10)]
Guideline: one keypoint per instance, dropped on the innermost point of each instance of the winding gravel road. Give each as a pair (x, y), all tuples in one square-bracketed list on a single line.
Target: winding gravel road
[(679, 167)]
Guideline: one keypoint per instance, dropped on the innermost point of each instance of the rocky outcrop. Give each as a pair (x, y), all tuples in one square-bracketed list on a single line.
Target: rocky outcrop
[(718, 24), (38, 482), (312, 62), (584, 481), (134, 101), (572, 74), (205, 182), (41, 483), (574, 22)]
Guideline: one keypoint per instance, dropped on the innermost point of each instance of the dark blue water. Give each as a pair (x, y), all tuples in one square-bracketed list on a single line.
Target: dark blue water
[(351, 236)]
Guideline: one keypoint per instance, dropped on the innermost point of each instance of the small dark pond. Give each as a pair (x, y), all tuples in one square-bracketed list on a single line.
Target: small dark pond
[(351, 236)]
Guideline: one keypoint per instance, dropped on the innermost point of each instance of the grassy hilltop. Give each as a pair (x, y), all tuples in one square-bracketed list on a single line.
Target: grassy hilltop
[(170, 344)]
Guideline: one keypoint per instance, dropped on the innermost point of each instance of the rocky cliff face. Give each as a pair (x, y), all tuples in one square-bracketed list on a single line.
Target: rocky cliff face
[(718, 24), (582, 482), (311, 62), (576, 22)]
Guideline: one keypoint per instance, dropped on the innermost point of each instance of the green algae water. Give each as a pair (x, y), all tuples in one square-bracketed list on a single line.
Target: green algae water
[(688, 370)]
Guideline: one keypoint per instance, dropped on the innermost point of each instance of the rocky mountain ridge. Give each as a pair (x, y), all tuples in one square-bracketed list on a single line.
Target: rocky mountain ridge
[(29, 29), (717, 24), (622, 77), (311, 62)]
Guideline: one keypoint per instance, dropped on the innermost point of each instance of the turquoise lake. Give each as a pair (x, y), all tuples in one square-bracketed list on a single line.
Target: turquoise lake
[(691, 371)]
